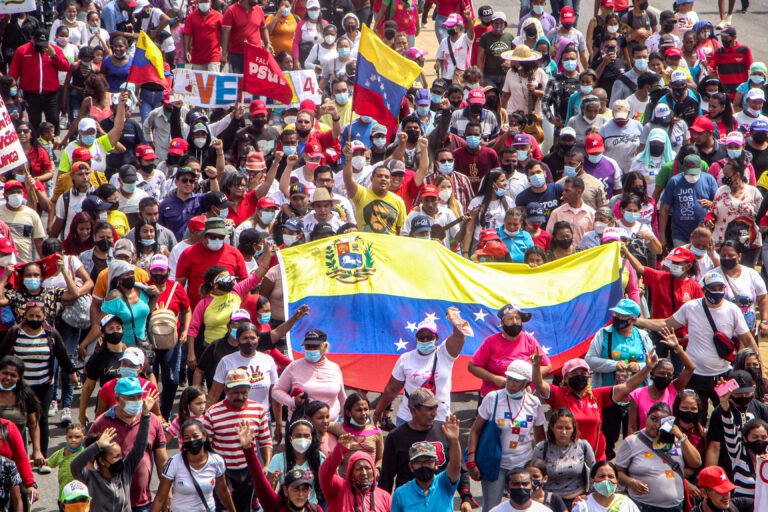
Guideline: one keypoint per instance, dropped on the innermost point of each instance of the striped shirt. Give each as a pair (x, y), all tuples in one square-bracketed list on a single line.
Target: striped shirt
[(220, 422), (35, 351), (741, 463)]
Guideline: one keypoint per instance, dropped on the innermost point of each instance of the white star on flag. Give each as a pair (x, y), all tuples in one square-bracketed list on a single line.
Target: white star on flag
[(480, 316), (431, 316), (367, 83), (381, 86), (411, 326), (547, 350), (401, 345)]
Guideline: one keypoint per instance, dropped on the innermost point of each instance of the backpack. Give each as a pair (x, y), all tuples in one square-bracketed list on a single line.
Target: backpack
[(162, 326)]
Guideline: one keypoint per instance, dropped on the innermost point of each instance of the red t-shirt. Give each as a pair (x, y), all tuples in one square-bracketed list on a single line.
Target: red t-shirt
[(588, 413), (408, 190), (107, 391), (659, 283), (195, 260), (475, 165), (177, 303), (205, 32), (480, 29), (245, 209), (39, 161), (543, 240), (448, 7), (246, 26)]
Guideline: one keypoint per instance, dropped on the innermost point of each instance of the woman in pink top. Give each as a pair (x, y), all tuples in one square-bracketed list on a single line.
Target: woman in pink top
[(317, 413), (312, 377), (491, 360), (664, 388)]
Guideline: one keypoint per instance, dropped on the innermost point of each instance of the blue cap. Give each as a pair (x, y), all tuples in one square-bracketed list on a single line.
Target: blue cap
[(128, 386), (94, 203), (758, 125), (534, 212), (294, 224), (626, 307), (422, 98), (420, 224)]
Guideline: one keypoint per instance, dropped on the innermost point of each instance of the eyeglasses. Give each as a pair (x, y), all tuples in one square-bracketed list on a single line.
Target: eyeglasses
[(34, 304), (24, 130), (187, 180), (445, 161)]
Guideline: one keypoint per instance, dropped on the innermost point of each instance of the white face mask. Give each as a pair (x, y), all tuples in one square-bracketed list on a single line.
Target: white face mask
[(358, 162), (103, 216), (329, 40), (289, 240), (15, 200), (199, 142), (301, 445), (445, 194), (692, 178), (600, 227)]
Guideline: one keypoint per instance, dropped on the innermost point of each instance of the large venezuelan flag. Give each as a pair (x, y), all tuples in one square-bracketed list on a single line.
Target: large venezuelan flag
[(147, 65), (369, 291), (382, 78)]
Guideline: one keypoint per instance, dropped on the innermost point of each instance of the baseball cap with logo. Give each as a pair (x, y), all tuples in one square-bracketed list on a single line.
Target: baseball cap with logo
[(476, 96), (11, 184), (713, 278), (420, 224), (75, 491), (429, 191), (239, 315), (662, 111), (692, 165), (422, 449), (314, 337), (594, 144), (298, 189), (735, 138), (257, 107), (217, 199), (758, 125), (123, 247), (485, 11), (534, 212), (128, 386), (512, 308), (133, 355), (237, 377), (675, 76), (621, 110), (396, 166), (145, 152), (415, 53), (681, 254), (567, 15), (178, 146), (715, 478), (453, 19), (81, 155), (7, 247), (265, 203)]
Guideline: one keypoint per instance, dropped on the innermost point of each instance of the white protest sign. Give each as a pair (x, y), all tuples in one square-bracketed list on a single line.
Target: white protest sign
[(14, 6), (11, 153)]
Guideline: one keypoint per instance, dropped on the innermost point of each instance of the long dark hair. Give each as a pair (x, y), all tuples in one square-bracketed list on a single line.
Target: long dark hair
[(137, 229), (32, 133), (687, 393), (208, 277), (727, 115), (313, 455), (486, 190), (349, 403), (187, 396), (25, 397), (630, 178), (562, 412)]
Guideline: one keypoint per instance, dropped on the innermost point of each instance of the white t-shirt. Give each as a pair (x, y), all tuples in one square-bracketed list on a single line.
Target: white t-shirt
[(636, 107), (516, 419), (749, 284), (728, 319), (152, 21), (414, 369), (516, 184), (535, 506), (75, 206), (494, 214), (310, 222), (131, 204), (173, 259), (620, 503), (153, 187), (262, 369), (460, 49), (185, 497), (363, 178), (71, 265), (630, 231)]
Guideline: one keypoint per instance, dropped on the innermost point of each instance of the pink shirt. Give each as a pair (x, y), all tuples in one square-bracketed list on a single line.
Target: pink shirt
[(322, 381), (497, 352), (644, 401)]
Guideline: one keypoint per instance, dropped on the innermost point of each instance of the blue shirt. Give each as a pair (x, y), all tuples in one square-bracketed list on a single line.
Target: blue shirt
[(516, 245), (175, 213), (439, 497), (683, 197), (360, 131), (112, 15), (549, 199)]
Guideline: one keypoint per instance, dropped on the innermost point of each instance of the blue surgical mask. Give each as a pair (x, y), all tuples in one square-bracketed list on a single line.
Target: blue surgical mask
[(585, 89), (757, 79), (445, 167), (538, 180), (7, 389), (422, 111), (289, 150), (313, 356), (342, 98), (734, 153), (595, 159), (500, 192), (425, 347), (379, 142), (698, 252), (32, 283), (147, 242), (286, 12), (215, 245), (223, 213), (88, 140), (570, 172), (129, 372), (132, 407), (128, 188), (267, 216), (356, 424), (569, 65), (515, 396), (76, 448), (14, 91), (538, 9), (344, 52), (313, 15), (473, 141), (264, 318), (233, 333), (522, 155), (20, 177), (641, 64), (631, 217), (436, 98)]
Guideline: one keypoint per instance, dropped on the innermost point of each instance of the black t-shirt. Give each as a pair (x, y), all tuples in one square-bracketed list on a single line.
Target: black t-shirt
[(98, 265), (735, 505), (611, 73), (103, 365), (755, 410), (759, 160), (645, 20), (210, 358)]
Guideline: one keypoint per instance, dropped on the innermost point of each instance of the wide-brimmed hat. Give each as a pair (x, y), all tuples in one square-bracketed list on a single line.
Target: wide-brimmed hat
[(521, 53)]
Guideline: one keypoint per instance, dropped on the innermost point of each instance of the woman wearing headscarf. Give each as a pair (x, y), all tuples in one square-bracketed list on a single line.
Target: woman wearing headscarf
[(657, 152), (706, 40), (529, 36), (664, 118)]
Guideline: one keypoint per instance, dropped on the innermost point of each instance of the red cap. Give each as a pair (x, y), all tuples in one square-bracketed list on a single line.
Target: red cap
[(673, 52), (594, 144), (476, 97), (495, 248), (257, 107), (197, 223), (255, 161), (131, 3), (178, 147), (81, 155), (429, 191), (145, 152), (167, 97), (567, 15), (606, 3), (702, 124), (307, 106), (13, 184), (313, 154), (715, 478), (488, 234), (266, 202), (6, 246), (681, 255)]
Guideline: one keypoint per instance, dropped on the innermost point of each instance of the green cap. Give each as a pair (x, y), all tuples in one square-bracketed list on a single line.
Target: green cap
[(73, 490), (692, 164)]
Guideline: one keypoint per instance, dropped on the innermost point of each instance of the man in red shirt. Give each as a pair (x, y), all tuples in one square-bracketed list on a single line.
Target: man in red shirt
[(474, 160), (202, 44), (36, 66), (210, 251), (243, 22)]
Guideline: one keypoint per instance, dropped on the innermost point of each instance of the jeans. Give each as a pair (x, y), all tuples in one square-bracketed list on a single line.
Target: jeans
[(150, 100), (167, 371), (44, 393), (495, 80), (236, 64), (557, 5), (240, 484), (71, 338), (440, 31), (525, 8), (75, 98), (40, 104), (493, 492), (143, 508)]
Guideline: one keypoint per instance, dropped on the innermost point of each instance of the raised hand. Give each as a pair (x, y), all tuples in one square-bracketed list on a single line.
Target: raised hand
[(347, 440), (243, 430), (149, 401), (106, 437), (451, 427)]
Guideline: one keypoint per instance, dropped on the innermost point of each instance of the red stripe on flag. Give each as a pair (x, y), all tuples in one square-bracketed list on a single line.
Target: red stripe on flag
[(369, 103)]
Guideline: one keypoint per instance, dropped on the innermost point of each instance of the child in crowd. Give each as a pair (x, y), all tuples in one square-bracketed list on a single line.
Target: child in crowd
[(63, 458), (191, 406)]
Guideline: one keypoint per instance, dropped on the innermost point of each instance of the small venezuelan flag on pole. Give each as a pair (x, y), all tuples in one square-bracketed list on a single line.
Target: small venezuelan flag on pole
[(147, 65)]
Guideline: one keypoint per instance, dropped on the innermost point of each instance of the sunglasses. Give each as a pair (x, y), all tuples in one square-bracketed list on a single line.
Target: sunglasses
[(445, 161), (187, 180), (215, 237), (25, 130)]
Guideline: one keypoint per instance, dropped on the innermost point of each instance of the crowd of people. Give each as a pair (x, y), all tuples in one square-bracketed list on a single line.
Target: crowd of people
[(139, 257)]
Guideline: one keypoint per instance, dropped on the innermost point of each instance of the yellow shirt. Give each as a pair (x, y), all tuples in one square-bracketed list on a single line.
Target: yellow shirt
[(119, 221), (216, 315), (378, 215), (345, 114)]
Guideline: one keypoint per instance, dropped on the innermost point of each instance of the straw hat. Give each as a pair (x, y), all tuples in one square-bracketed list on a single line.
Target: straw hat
[(521, 53)]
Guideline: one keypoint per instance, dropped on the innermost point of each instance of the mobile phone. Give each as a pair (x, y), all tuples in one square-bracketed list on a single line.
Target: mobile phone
[(727, 387)]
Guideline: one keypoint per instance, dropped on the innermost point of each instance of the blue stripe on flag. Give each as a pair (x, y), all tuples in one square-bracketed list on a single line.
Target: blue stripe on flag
[(372, 80)]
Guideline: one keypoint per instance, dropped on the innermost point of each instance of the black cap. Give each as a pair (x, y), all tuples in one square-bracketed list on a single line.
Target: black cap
[(251, 236), (439, 86), (127, 174), (41, 36), (390, 24), (218, 199), (297, 189), (420, 224), (744, 379), (729, 31), (486, 11), (322, 228), (666, 15), (315, 336)]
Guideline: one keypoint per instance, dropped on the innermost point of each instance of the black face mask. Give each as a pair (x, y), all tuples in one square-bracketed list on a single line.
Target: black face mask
[(656, 150), (35, 324), (688, 416), (413, 135), (662, 382), (114, 206), (508, 168), (455, 104), (390, 34), (562, 243), (666, 437), (116, 467), (194, 446), (759, 137), (148, 168), (513, 330), (519, 495), (757, 447), (742, 401), (755, 373), (564, 148), (530, 31), (713, 297), (128, 282), (424, 474), (247, 349), (302, 132), (620, 323), (259, 124), (537, 483), (104, 244), (493, 105), (476, 109), (712, 506), (638, 191), (567, 26), (451, 31), (727, 180), (159, 278), (578, 382), (226, 287), (112, 338), (728, 263)]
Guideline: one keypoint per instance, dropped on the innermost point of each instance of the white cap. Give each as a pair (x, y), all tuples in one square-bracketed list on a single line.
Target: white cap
[(678, 75), (313, 4), (139, 6), (134, 355), (568, 131), (519, 369), (755, 94), (86, 124), (498, 15), (713, 278)]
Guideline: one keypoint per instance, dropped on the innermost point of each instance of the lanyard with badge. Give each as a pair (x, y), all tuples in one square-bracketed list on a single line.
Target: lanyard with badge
[(515, 424)]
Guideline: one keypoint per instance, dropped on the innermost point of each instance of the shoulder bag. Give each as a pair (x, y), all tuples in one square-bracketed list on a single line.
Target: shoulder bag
[(725, 346), (194, 482), (77, 314), (489, 445), (669, 461)]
